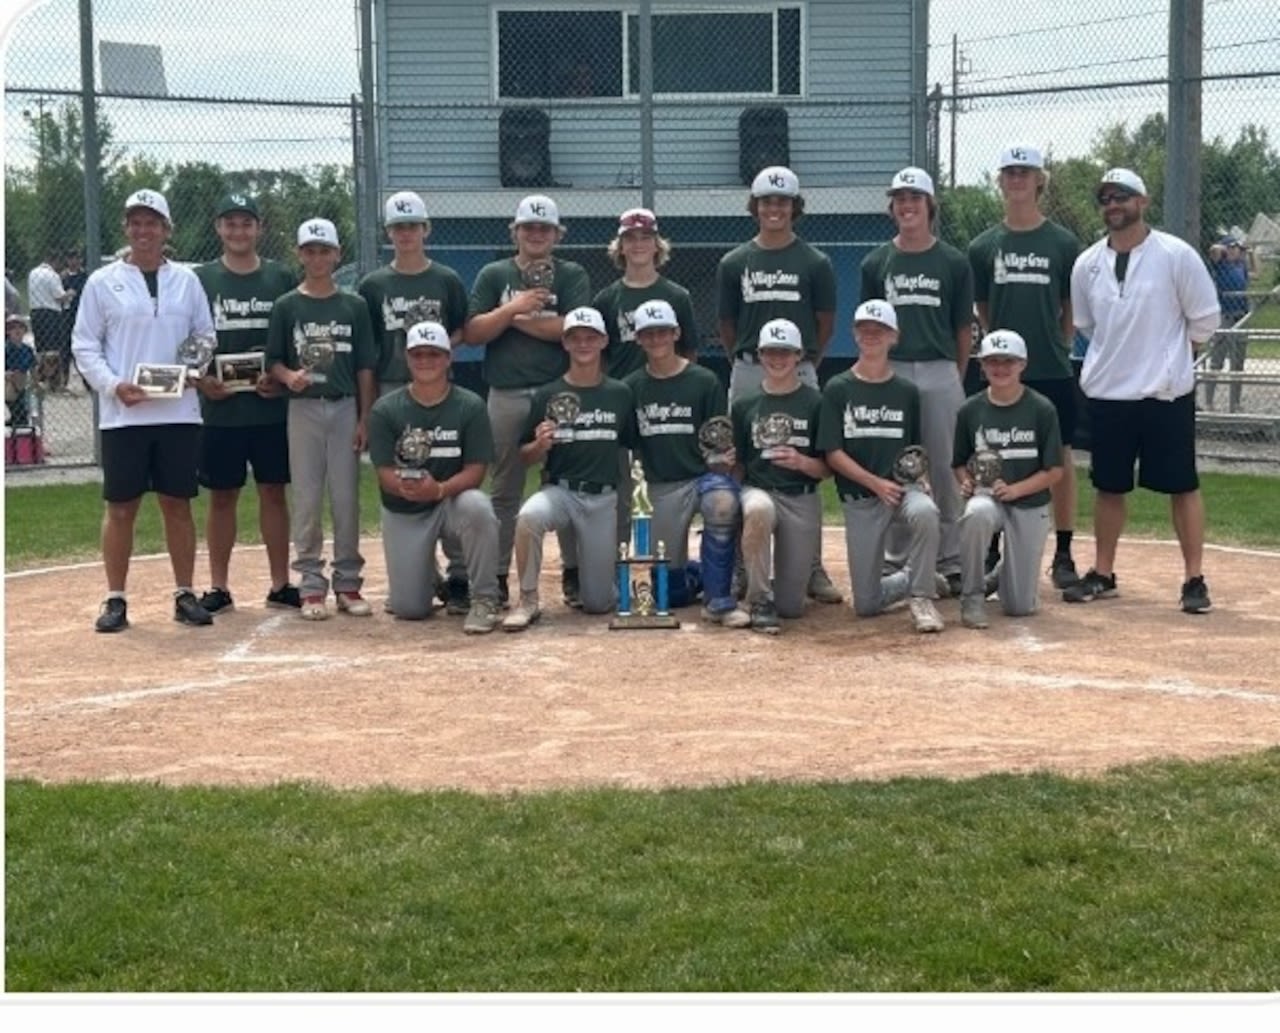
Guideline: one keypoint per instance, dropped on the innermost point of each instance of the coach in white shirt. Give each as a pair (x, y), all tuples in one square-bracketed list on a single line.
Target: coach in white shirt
[(1146, 301), (138, 310), (46, 298)]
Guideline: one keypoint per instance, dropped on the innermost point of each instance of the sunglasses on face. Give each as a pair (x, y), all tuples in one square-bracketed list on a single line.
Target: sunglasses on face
[(1118, 197)]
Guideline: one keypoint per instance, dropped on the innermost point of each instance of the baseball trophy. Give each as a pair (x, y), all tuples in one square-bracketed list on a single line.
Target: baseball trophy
[(539, 274), (195, 351), (715, 441), (911, 468), (413, 450), (772, 432), (562, 409), (316, 356), (643, 578), (985, 467)]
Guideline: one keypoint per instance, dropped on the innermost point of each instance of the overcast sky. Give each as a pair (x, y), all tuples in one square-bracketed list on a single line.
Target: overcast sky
[(243, 49)]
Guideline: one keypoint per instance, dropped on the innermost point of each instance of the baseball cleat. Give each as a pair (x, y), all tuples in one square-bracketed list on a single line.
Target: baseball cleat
[(822, 590), (482, 618), (313, 608), (735, 618), (353, 604), (764, 617), (523, 615), (973, 612), (925, 616)]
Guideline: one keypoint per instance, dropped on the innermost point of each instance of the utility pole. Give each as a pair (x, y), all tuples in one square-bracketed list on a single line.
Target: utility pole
[(1183, 136), (959, 67)]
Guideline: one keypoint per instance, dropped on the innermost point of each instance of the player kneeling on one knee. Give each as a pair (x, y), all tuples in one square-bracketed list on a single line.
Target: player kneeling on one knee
[(775, 437), (431, 444), (1008, 454), (579, 452), (869, 415)]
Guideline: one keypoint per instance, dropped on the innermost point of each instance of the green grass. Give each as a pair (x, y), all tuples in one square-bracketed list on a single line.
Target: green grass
[(1162, 877), (58, 523)]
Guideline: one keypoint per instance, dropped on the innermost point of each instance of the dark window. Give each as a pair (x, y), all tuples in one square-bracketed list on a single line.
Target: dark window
[(559, 54)]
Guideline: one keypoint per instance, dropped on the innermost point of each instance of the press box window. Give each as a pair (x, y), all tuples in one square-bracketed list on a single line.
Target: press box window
[(547, 54)]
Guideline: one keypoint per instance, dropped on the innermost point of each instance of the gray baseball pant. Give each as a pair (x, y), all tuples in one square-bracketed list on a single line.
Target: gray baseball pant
[(568, 540), (788, 527), (409, 542), (592, 517), (321, 449), (674, 506), (452, 548), (1025, 531), (866, 526), (941, 395)]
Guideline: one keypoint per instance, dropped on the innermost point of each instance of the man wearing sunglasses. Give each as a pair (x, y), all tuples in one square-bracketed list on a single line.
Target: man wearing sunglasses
[(1146, 301)]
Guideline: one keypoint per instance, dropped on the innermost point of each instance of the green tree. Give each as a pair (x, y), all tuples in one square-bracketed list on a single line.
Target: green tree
[(966, 211)]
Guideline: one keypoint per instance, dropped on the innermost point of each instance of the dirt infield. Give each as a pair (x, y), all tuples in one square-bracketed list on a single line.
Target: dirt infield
[(263, 697)]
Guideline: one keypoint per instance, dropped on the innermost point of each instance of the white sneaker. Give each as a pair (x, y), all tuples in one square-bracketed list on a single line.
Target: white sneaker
[(523, 615), (313, 608), (735, 618), (925, 615), (353, 604)]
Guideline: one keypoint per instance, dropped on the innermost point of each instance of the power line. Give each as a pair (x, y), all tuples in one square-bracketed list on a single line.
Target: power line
[(1021, 34)]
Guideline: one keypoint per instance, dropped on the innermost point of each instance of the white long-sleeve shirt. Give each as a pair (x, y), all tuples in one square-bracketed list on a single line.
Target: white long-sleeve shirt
[(1140, 331), (120, 324)]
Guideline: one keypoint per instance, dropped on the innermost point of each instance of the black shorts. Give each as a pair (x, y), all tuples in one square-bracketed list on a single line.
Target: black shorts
[(1062, 393), (1159, 436), (227, 452), (159, 457)]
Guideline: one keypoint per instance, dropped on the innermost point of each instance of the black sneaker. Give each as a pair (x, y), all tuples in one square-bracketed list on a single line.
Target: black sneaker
[(113, 616), (504, 596), (569, 586), (285, 596), (216, 600), (955, 584), (442, 588), (457, 597), (764, 617), (1195, 596), (187, 610), (1063, 570), (991, 562), (1090, 587)]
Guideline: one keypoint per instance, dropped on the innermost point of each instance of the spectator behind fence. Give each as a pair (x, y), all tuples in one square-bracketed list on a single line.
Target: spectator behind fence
[(1229, 266), (19, 361)]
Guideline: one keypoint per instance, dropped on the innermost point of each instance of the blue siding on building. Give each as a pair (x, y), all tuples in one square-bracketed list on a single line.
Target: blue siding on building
[(440, 123)]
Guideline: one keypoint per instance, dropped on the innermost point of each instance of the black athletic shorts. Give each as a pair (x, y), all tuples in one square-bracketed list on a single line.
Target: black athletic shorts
[(227, 452), (1159, 436), (159, 457), (1062, 393)]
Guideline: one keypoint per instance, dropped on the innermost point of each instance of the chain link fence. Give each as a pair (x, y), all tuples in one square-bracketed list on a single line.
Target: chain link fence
[(604, 109)]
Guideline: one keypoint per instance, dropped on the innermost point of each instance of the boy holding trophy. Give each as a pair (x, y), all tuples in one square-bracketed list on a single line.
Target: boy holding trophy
[(870, 430), (1007, 455)]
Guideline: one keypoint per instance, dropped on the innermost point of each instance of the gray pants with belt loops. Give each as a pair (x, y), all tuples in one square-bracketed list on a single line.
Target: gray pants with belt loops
[(780, 532), (866, 526), (1025, 530), (594, 521)]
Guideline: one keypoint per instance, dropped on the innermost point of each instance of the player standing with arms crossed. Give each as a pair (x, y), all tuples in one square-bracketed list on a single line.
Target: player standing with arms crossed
[(930, 286), (244, 429), (1022, 282)]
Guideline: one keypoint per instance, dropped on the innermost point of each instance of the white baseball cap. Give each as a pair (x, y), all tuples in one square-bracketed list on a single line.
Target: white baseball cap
[(655, 313), (427, 335), (150, 199), (318, 231), (912, 178), (1126, 179), (1021, 156), (1004, 344), (780, 334), (537, 208), (775, 181), (877, 311), (637, 219), (587, 317), (406, 206)]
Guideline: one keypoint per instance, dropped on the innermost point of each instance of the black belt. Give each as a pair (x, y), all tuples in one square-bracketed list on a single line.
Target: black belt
[(846, 496), (331, 398), (584, 487), (796, 489)]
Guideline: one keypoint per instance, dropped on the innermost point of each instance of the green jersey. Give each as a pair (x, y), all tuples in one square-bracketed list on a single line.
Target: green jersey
[(669, 411), (932, 293), (618, 304), (457, 429), (399, 300), (1024, 277), (299, 322), (1025, 434), (241, 305), (870, 422), (755, 285), (588, 449), (756, 414), (514, 358)]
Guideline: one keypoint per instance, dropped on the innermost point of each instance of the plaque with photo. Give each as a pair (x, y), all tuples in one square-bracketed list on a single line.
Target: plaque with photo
[(160, 380), (239, 371)]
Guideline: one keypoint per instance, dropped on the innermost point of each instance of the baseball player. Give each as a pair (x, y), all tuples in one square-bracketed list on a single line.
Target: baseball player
[(320, 346), (580, 469), (869, 415), (775, 437), (1019, 425), (674, 397), (777, 275), (414, 288), (244, 429), (518, 316), (930, 286), (431, 445), (1022, 282)]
